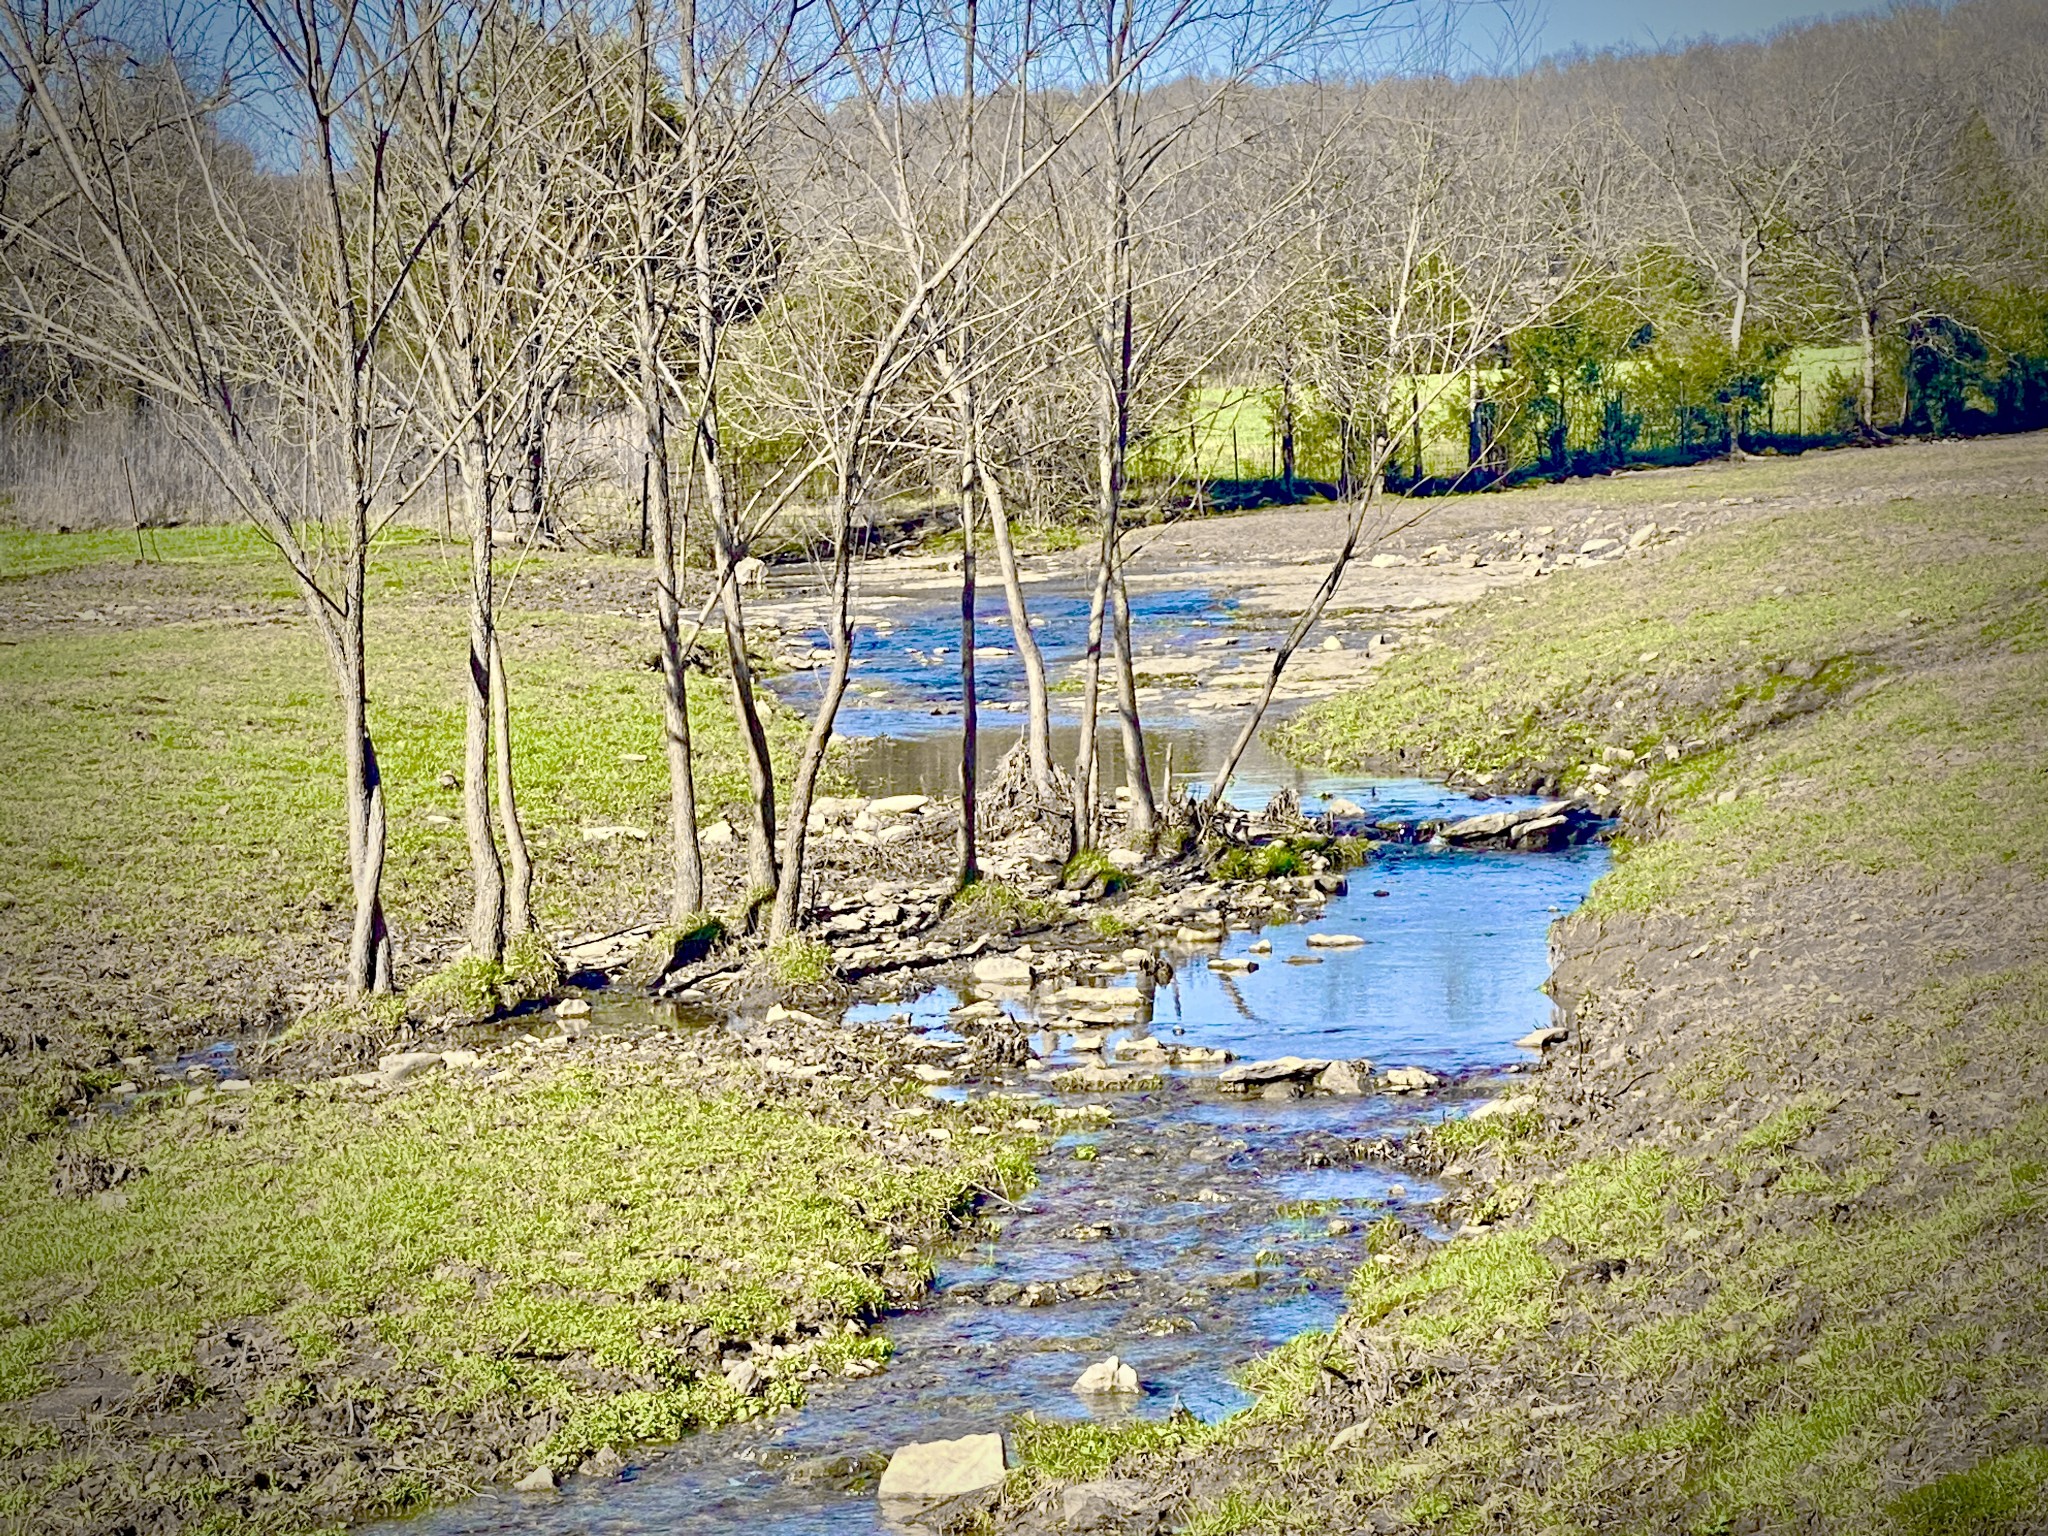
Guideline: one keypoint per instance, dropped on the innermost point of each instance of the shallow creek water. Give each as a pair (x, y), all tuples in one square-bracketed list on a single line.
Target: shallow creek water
[(1224, 1209), (1227, 1225)]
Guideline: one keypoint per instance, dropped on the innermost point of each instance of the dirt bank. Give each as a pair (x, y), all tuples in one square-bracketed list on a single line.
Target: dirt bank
[(1761, 1248)]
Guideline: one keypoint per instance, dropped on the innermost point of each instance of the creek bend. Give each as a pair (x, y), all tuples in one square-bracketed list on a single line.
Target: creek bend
[(1189, 1231)]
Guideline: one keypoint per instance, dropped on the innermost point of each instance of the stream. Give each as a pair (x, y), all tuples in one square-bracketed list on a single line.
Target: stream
[(1197, 1231)]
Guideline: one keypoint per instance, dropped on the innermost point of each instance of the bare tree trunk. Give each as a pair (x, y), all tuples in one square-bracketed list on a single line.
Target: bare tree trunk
[(1038, 725), (686, 883), (369, 952), (1866, 394), (1091, 691), (487, 873), (1298, 632), (761, 871), (762, 874), (803, 787), (519, 882), (1038, 703), (968, 871), (686, 879), (1144, 812)]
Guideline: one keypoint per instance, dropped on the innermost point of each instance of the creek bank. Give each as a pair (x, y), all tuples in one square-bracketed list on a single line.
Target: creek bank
[(1760, 1247)]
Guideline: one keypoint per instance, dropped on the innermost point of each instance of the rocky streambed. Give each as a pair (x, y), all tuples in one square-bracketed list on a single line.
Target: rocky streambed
[(1224, 1090)]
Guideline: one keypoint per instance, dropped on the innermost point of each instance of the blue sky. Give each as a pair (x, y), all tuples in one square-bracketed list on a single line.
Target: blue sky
[(1595, 24)]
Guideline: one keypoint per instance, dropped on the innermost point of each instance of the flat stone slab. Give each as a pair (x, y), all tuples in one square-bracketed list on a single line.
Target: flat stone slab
[(1281, 1069), (1101, 997), (931, 1471)]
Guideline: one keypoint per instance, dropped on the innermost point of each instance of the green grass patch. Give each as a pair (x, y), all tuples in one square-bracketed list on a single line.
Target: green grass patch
[(990, 906), (1092, 867), (552, 1240), (800, 963)]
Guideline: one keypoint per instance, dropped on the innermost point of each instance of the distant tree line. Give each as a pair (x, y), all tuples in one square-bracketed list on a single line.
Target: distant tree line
[(997, 255)]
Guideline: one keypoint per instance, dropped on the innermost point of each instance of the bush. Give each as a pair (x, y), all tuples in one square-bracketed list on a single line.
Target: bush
[(1108, 925), (989, 906), (1091, 868), (465, 991), (532, 968), (800, 963), (689, 941), (1263, 863)]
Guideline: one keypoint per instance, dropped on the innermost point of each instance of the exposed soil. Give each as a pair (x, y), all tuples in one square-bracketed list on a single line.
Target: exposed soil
[(1871, 1016)]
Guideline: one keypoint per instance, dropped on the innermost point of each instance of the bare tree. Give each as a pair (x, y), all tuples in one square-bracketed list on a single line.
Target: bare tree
[(1455, 236), (259, 312), (880, 65)]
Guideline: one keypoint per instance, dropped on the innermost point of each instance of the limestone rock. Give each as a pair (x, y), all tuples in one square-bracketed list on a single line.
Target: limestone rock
[(1101, 997), (1334, 940), (1537, 1039), (1261, 1074), (1107, 1375), (539, 1480), (931, 1471), (1411, 1079), (1346, 1077), (1506, 1104), (898, 805), (1003, 971)]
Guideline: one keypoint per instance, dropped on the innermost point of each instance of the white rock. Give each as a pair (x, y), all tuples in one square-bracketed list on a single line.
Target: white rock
[(1334, 940), (744, 1377), (1101, 997), (1341, 1077), (1332, 643), (1411, 1079), (898, 805), (396, 1069), (1506, 1104), (718, 835), (1597, 547), (1643, 535), (572, 1008), (1537, 1039), (1125, 858), (896, 834), (539, 1480), (1003, 971), (932, 1471), (1342, 807), (1220, 963), (1108, 1375), (614, 834), (1382, 562)]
